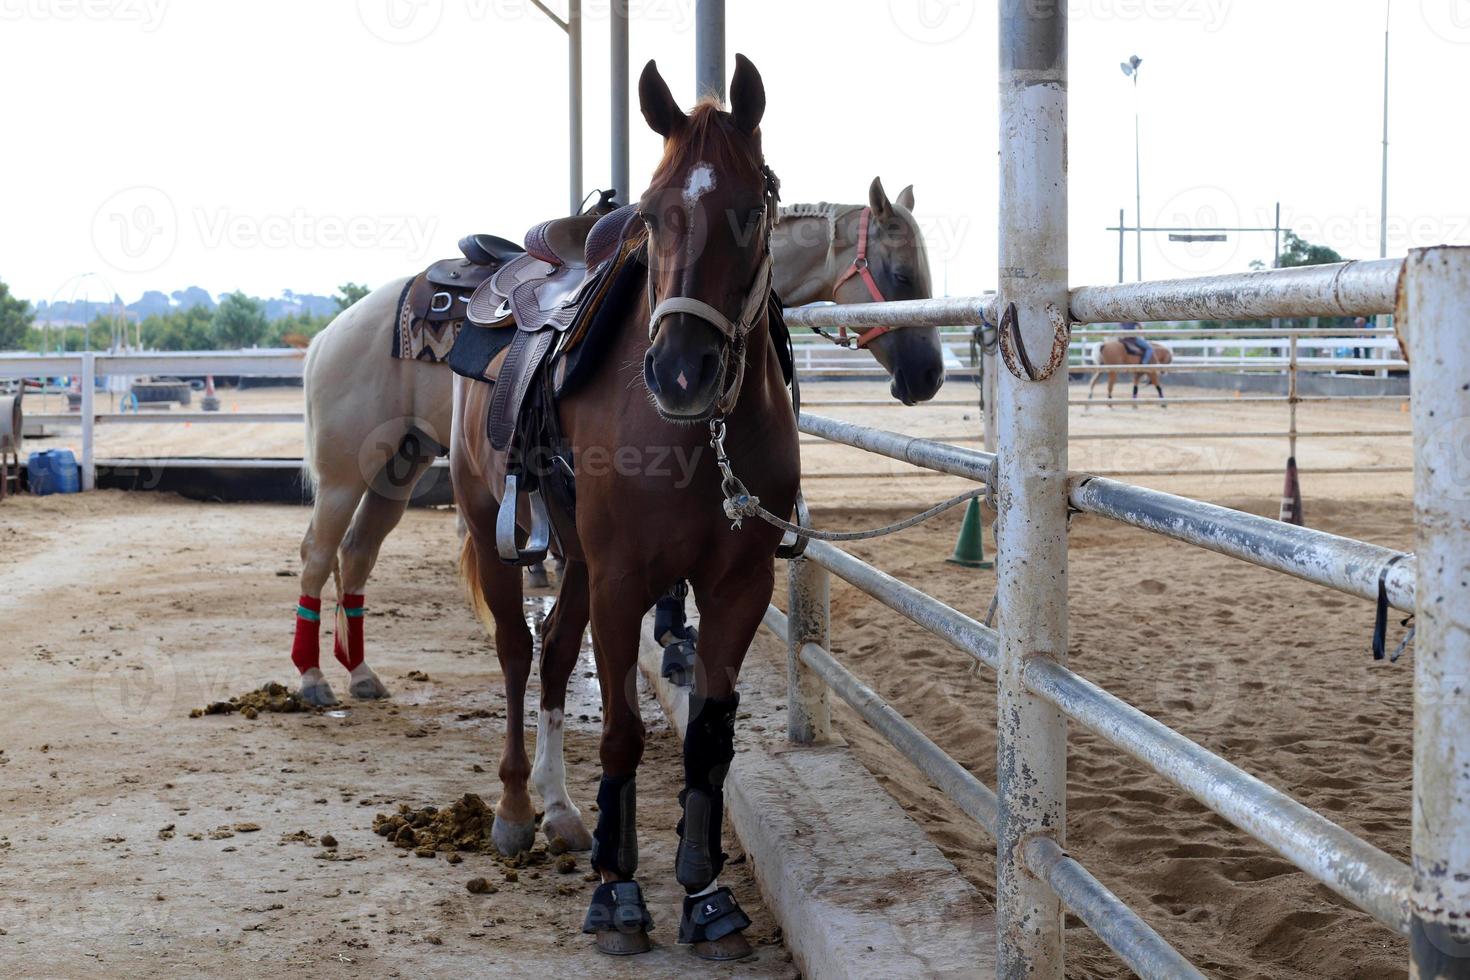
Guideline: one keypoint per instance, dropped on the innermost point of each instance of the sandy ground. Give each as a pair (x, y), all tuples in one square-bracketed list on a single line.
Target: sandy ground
[(1272, 673), (123, 612), (843, 476), (163, 610)]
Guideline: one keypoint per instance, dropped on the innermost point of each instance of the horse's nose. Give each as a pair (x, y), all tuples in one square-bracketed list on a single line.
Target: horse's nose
[(683, 380), (911, 386)]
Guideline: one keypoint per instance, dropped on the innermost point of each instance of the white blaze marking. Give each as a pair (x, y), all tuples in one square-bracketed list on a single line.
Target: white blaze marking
[(701, 181)]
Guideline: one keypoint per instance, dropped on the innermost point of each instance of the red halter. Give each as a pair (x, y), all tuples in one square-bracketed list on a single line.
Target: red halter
[(859, 267)]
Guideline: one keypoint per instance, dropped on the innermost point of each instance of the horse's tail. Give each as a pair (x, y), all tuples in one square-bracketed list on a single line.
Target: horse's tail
[(308, 471), (469, 571)]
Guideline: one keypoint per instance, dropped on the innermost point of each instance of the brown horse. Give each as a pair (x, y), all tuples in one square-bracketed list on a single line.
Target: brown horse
[(699, 359), (1114, 352)]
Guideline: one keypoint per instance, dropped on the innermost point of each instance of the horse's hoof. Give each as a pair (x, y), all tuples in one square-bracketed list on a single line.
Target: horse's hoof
[(615, 943), (536, 577), (512, 838), (732, 947), (366, 686), (568, 828), (315, 690)]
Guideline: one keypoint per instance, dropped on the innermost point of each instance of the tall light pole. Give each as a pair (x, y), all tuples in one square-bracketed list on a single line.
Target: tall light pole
[(1383, 207), (1130, 68), (1383, 200)]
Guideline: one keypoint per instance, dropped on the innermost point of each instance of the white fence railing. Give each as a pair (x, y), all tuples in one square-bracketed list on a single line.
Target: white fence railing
[(1032, 662), (1427, 900), (88, 366)]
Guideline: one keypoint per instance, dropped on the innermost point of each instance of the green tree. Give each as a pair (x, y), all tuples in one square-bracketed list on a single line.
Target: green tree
[(1299, 251), (16, 317), (349, 293), (239, 322), (191, 328)]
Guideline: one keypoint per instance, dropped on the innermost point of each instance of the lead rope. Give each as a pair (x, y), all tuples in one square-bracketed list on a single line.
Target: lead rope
[(740, 504)]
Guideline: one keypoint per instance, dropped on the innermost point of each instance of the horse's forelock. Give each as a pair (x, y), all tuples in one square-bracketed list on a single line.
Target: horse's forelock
[(710, 134)]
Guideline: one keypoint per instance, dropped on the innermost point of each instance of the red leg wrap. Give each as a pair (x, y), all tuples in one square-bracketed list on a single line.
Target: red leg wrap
[(305, 648), (349, 650)]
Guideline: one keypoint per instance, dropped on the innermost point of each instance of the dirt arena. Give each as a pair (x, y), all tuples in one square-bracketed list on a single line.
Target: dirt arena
[(126, 611)]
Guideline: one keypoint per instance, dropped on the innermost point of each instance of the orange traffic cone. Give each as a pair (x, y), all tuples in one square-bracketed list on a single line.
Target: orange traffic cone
[(1291, 496), (211, 400)]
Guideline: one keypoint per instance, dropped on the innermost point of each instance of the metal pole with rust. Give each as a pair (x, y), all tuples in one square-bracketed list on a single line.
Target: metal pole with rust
[(808, 716), (1032, 486), (1436, 284)]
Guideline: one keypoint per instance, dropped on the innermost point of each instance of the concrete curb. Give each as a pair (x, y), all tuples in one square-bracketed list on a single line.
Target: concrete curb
[(857, 887)]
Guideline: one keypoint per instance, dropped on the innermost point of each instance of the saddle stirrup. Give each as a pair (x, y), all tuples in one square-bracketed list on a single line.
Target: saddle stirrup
[(792, 545), (539, 540)]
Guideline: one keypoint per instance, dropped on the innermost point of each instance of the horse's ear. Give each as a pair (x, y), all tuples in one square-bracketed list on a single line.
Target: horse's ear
[(906, 198), (747, 95), (657, 102), (878, 199)]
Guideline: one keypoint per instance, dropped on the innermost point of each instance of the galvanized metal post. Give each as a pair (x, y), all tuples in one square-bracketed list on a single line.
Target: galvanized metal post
[(808, 716), (1120, 244), (574, 107), (1032, 494), (618, 82), (1436, 288), (89, 419), (709, 49), (1291, 395)]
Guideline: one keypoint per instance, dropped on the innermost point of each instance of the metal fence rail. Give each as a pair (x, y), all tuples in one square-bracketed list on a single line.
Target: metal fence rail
[(1411, 900)]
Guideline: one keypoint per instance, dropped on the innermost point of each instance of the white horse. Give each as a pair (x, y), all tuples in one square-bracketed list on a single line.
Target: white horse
[(375, 423)]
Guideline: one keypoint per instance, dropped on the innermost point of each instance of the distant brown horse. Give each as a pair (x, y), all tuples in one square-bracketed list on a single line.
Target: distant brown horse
[(701, 353), (1113, 352)]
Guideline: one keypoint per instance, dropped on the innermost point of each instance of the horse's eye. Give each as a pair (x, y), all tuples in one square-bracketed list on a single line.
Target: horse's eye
[(903, 278)]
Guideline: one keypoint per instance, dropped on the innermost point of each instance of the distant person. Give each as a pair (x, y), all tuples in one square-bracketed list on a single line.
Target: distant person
[(1361, 323), (1137, 345)]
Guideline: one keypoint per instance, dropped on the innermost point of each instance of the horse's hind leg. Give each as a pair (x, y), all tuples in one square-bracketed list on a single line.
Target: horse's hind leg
[(1092, 384), (381, 509), (1159, 387), (561, 645), (495, 587), (331, 514)]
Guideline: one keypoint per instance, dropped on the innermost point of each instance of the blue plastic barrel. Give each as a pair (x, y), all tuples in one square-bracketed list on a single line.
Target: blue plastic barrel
[(53, 471)]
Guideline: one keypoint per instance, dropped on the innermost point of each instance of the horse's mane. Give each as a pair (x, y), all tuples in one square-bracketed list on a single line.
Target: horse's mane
[(707, 131)]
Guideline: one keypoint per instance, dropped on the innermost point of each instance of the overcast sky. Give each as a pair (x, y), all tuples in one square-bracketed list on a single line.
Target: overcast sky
[(285, 144)]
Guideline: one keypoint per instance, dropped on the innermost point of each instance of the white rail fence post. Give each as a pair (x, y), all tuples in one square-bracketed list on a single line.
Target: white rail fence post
[(808, 714), (1031, 539), (88, 411), (1436, 286)]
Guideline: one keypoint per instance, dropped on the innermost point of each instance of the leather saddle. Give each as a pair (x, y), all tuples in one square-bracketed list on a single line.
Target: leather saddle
[(431, 309), (532, 323)]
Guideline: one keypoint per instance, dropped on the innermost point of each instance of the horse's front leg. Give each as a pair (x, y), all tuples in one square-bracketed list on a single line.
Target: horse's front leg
[(730, 614), (618, 916), (560, 647)]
